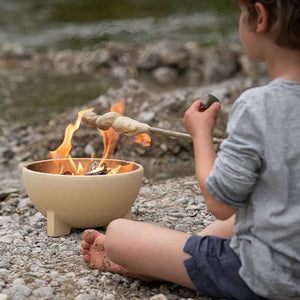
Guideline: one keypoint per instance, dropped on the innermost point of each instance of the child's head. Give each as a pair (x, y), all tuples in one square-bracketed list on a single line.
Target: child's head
[(283, 20)]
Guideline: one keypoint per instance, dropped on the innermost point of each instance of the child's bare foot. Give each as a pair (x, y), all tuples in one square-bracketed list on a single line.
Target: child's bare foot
[(94, 253)]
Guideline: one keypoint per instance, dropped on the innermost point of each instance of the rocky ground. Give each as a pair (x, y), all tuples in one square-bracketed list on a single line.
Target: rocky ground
[(35, 266)]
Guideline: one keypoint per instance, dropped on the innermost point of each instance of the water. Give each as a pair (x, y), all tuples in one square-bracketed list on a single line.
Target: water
[(34, 98), (89, 24), (86, 25)]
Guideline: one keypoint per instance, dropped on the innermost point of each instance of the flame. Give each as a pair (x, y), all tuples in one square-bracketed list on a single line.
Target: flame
[(144, 139), (109, 137), (63, 151)]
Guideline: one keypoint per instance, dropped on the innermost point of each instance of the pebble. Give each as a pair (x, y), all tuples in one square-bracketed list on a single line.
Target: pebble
[(159, 297), (5, 240), (4, 264), (41, 267), (87, 297), (109, 297), (182, 227), (20, 290), (45, 291)]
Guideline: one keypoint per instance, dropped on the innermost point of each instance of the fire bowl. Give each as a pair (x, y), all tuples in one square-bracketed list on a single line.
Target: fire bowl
[(80, 201)]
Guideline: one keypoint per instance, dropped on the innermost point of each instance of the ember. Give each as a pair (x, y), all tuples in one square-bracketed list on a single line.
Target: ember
[(96, 167)]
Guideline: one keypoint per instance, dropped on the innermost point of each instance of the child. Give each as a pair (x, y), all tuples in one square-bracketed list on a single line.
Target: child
[(252, 187)]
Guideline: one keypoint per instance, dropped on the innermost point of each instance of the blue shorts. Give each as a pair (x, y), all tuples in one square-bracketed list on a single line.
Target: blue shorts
[(214, 269)]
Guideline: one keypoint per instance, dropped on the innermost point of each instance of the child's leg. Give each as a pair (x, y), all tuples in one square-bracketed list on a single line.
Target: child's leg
[(146, 250), (222, 229), (142, 248)]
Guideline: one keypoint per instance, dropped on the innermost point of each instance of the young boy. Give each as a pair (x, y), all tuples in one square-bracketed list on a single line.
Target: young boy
[(252, 186)]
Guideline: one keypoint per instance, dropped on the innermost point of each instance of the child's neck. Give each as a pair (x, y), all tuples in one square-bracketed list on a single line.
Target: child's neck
[(284, 63)]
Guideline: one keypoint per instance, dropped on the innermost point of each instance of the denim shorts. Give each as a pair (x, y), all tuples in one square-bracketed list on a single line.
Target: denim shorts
[(214, 269)]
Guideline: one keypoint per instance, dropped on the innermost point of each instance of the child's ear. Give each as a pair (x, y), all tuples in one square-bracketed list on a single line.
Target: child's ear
[(262, 18)]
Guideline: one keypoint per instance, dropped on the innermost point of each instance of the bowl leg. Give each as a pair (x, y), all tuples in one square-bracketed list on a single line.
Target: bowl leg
[(55, 227)]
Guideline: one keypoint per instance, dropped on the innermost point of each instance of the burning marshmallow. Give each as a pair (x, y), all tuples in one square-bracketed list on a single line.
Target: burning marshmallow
[(118, 122)]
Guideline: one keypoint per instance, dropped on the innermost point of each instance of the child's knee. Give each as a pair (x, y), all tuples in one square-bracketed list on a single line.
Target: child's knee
[(117, 226), (115, 236)]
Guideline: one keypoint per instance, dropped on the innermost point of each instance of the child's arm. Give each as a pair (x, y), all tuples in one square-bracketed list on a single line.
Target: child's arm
[(200, 125)]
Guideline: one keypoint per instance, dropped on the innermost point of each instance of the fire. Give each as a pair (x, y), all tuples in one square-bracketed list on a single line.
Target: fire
[(63, 151), (143, 139), (109, 137)]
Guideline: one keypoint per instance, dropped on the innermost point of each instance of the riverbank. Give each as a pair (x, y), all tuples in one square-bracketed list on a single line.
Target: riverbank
[(35, 266)]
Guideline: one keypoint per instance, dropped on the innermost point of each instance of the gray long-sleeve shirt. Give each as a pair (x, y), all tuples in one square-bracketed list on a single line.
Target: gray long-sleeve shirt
[(257, 171)]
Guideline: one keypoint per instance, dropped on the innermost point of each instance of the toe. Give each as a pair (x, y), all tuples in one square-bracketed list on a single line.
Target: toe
[(99, 243), (90, 235), (87, 258), (85, 252), (85, 245)]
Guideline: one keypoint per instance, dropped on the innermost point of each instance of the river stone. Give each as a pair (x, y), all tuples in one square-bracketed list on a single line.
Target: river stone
[(165, 74), (109, 297), (20, 290), (159, 297), (4, 264), (44, 291), (87, 297)]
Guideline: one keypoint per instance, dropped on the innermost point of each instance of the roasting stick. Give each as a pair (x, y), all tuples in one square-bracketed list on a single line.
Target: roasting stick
[(132, 127), (129, 126)]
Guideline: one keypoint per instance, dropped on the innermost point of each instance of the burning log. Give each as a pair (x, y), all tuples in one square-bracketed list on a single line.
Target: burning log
[(97, 168), (94, 169), (102, 172)]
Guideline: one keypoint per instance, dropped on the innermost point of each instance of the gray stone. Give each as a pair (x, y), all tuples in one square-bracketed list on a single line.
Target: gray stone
[(159, 297), (89, 149), (182, 227), (109, 297), (146, 116), (117, 278), (165, 74), (44, 291), (4, 264), (87, 297), (20, 290), (25, 202)]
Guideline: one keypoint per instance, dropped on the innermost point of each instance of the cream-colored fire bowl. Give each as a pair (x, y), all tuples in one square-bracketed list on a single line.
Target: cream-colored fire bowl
[(81, 201)]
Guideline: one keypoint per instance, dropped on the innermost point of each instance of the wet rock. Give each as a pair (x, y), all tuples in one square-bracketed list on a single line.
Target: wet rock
[(165, 74), (213, 58), (15, 50), (164, 53), (173, 54)]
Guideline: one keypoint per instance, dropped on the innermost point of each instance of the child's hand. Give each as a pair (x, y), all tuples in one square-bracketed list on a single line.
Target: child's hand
[(201, 123)]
